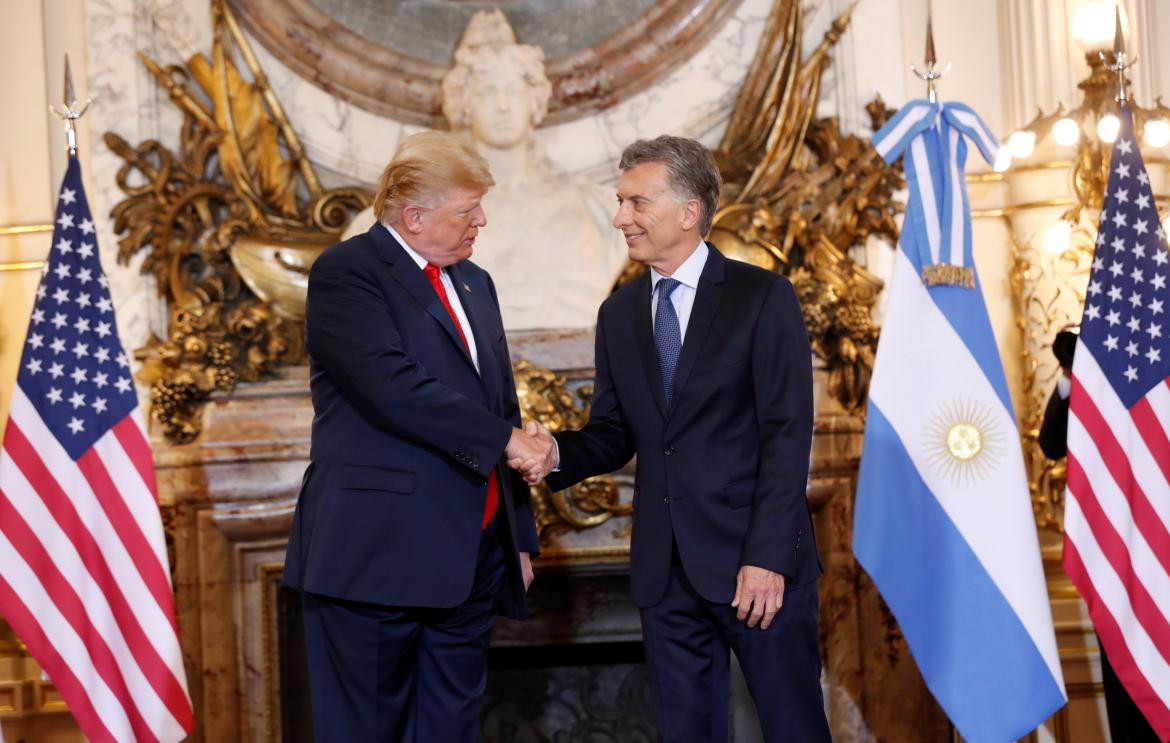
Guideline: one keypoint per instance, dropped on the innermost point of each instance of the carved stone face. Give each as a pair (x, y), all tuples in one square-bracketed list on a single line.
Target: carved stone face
[(500, 108)]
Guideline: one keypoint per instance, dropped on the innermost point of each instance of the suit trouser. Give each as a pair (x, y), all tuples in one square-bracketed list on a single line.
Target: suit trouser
[(1126, 721), (399, 674), (687, 641)]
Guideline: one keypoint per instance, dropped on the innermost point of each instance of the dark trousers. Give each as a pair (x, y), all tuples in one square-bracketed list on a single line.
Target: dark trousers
[(1127, 724), (399, 674), (688, 640)]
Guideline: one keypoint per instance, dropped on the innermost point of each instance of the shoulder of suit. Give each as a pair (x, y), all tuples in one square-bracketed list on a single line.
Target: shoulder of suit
[(747, 275), (628, 292), (346, 252), (470, 269)]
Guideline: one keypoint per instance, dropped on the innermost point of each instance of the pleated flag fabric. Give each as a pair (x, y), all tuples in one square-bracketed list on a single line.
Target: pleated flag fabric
[(1117, 509), (83, 565)]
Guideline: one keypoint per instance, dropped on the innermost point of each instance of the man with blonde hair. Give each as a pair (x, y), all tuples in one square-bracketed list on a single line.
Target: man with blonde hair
[(410, 534)]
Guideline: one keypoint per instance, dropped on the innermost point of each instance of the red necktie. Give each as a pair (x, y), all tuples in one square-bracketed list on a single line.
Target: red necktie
[(493, 492)]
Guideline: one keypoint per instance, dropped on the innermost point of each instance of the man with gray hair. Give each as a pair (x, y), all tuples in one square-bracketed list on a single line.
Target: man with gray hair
[(704, 371)]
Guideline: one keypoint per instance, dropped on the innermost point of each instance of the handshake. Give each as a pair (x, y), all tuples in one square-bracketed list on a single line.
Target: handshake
[(532, 452)]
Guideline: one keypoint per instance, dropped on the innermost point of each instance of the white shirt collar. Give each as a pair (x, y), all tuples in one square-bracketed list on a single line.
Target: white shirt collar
[(689, 272), (422, 262)]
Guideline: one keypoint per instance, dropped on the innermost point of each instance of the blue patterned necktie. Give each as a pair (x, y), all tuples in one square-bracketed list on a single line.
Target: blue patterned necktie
[(667, 336)]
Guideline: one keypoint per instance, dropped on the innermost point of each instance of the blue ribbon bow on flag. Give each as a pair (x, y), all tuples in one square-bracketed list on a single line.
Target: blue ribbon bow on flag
[(938, 216)]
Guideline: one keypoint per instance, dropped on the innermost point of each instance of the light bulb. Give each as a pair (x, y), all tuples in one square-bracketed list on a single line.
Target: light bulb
[(1022, 143), (1094, 25), (1108, 127), (1066, 132), (1056, 237), (1157, 133), (1003, 159)]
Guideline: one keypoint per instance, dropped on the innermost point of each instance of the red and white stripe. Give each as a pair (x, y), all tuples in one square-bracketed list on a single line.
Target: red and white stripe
[(1117, 529), (84, 580)]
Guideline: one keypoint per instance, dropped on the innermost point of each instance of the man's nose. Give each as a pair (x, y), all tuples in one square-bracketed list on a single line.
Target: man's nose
[(479, 219), (622, 217)]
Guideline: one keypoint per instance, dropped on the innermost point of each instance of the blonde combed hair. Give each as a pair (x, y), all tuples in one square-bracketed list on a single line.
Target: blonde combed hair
[(425, 166)]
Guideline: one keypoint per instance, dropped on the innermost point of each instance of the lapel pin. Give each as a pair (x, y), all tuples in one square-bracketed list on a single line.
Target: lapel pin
[(466, 288)]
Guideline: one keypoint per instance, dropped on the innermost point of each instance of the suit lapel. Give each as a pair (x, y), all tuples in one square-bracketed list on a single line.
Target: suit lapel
[(644, 339), (473, 301), (707, 299), (407, 273)]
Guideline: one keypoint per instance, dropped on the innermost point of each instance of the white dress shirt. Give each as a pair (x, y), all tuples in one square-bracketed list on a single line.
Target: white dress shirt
[(452, 295), (683, 296)]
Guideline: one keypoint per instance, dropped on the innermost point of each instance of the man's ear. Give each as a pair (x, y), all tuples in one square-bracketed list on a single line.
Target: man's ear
[(412, 219), (692, 211)]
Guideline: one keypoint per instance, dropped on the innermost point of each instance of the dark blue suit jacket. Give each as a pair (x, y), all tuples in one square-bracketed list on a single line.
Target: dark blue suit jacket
[(722, 472), (405, 433)]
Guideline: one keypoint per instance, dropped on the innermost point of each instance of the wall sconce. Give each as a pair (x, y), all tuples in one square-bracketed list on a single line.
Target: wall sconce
[(1058, 237), (1093, 25), (1092, 126)]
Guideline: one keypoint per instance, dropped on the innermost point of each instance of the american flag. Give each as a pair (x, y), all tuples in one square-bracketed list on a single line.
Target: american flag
[(1117, 513), (83, 568)]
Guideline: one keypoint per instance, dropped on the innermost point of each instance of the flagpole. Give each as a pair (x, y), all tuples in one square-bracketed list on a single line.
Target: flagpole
[(930, 72), (1121, 62), (71, 113)]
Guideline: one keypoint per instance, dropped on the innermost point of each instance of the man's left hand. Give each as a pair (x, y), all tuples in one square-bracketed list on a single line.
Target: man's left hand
[(526, 569), (759, 594)]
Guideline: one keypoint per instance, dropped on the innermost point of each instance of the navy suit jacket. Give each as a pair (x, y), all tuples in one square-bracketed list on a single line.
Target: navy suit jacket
[(723, 472), (405, 433)]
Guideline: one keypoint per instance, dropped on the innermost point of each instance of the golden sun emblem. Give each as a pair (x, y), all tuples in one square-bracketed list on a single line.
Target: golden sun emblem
[(963, 441)]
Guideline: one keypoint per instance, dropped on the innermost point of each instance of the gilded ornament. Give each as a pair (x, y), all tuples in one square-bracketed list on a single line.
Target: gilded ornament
[(1040, 312), (230, 225), (799, 196)]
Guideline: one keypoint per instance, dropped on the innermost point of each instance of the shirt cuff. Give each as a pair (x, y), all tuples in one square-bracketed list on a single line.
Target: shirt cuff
[(557, 449)]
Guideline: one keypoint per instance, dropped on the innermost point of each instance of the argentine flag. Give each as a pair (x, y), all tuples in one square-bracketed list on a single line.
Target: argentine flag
[(943, 521)]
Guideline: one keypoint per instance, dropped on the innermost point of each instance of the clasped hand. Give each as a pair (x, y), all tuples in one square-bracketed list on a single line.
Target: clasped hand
[(531, 452)]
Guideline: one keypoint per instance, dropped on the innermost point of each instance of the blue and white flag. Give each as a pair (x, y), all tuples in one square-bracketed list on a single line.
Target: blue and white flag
[(943, 521)]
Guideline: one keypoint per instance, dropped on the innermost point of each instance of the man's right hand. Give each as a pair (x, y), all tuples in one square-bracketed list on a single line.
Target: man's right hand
[(531, 452)]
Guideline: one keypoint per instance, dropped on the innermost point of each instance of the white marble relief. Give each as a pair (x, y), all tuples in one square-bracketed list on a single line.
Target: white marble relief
[(125, 103), (348, 143), (540, 224), (342, 139)]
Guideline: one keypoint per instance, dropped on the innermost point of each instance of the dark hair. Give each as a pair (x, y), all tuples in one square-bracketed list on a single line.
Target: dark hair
[(1063, 347), (693, 174)]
